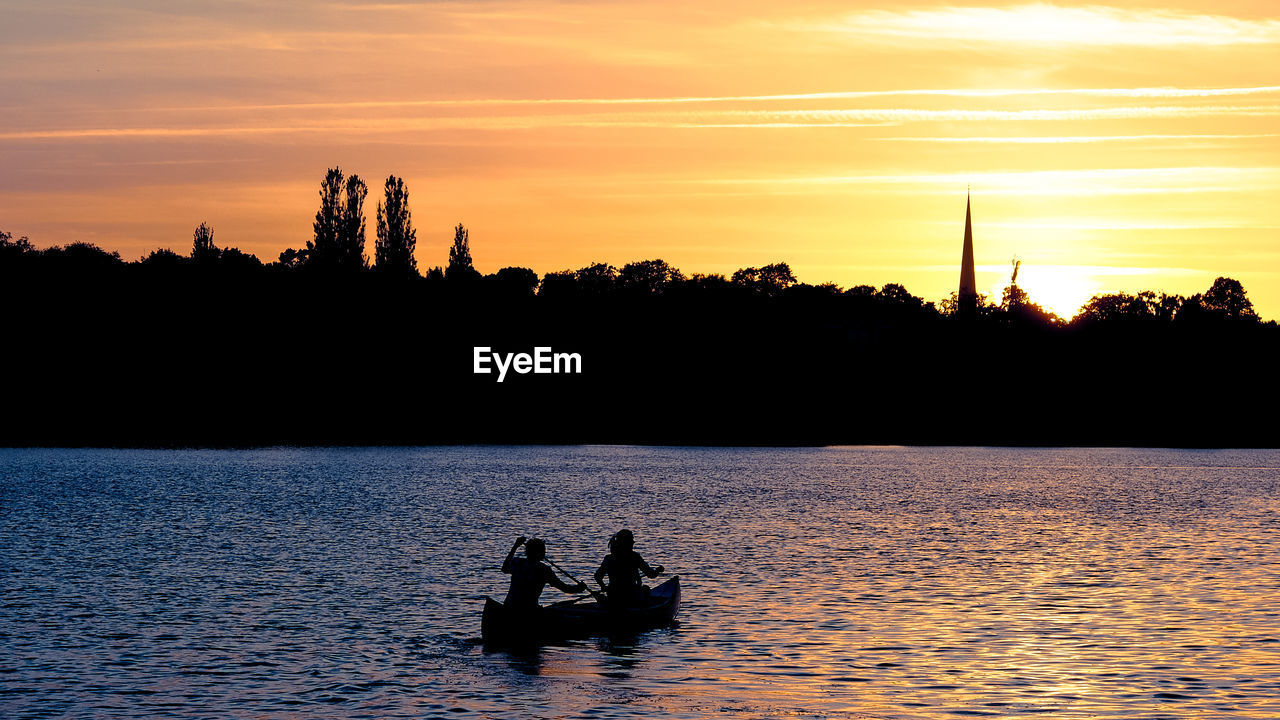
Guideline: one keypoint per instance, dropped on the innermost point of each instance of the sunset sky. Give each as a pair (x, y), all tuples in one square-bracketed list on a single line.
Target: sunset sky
[(1126, 146)]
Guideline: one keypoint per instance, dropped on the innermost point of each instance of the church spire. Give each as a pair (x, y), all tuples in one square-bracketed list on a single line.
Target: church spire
[(967, 296)]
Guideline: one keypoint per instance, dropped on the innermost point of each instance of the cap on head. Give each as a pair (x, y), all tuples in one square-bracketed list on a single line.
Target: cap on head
[(535, 549)]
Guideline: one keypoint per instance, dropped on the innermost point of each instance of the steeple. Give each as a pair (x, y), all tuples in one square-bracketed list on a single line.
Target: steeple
[(967, 296)]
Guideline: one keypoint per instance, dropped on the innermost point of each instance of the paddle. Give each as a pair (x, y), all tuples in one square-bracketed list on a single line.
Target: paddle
[(564, 572)]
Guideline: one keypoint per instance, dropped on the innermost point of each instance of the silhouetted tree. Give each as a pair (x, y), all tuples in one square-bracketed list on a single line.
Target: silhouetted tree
[(14, 250), (460, 267), (1018, 309), (896, 294), (163, 258), (950, 306), (235, 259), (82, 256), (1227, 299), (1013, 297), (322, 250), (776, 277), (351, 237), (562, 284), (813, 293), (1168, 307), (203, 251), (596, 279), (339, 224), (648, 276), (397, 240), (713, 283), (770, 280), (1117, 307), (292, 259), (515, 282)]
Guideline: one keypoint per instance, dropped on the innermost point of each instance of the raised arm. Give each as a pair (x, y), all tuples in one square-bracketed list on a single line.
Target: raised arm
[(649, 572), (511, 554)]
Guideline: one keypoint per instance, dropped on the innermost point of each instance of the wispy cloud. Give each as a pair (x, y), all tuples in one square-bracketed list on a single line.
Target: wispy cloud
[(403, 127), (1112, 181), (1137, 93), (954, 115), (1067, 139), (1047, 25), (702, 119), (1091, 270), (1072, 224)]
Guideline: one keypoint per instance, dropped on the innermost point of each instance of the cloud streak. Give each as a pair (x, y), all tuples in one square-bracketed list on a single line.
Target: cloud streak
[(760, 119), (1136, 93), (921, 115), (1044, 25), (1111, 181), (1069, 139)]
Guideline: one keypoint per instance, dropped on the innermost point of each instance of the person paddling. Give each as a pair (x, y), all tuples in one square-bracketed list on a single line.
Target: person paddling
[(529, 575), (623, 566)]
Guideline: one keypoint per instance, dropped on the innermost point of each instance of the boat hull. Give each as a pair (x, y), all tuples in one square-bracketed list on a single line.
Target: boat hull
[(579, 619)]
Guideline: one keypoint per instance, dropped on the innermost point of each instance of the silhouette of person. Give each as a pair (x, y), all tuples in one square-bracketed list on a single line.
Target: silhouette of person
[(529, 575), (623, 566)]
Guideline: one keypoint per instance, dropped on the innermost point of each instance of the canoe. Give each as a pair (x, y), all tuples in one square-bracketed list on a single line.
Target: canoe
[(577, 618)]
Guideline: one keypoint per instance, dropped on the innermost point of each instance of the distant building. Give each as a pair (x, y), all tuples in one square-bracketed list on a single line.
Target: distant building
[(967, 296)]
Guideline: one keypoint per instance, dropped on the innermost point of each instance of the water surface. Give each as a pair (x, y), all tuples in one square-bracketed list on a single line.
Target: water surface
[(838, 582)]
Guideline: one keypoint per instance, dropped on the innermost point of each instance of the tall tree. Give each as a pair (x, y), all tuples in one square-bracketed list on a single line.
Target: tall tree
[(460, 266), (323, 250), (339, 224), (202, 248), (351, 229), (397, 240)]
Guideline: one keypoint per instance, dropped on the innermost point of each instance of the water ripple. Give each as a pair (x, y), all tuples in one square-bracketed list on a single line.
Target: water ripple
[(820, 583)]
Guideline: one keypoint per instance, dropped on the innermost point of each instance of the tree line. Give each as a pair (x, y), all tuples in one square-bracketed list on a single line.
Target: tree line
[(338, 248), (329, 344)]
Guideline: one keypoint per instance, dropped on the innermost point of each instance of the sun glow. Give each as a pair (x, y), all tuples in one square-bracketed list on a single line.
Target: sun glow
[(1061, 293), (1064, 289), (712, 135)]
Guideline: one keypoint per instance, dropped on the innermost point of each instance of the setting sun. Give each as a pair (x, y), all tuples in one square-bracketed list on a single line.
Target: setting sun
[(1060, 289)]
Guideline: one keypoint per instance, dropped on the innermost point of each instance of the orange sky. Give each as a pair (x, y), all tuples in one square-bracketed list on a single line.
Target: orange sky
[(1110, 147)]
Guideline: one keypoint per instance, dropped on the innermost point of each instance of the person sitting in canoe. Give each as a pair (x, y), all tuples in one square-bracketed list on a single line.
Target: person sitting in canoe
[(529, 575), (623, 566)]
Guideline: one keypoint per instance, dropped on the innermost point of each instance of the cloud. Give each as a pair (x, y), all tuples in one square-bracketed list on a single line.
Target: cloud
[(1139, 92), (1046, 25), (1111, 181), (1065, 139), (692, 119), (952, 115)]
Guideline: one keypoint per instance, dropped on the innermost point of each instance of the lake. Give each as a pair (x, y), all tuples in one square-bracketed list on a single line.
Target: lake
[(818, 582)]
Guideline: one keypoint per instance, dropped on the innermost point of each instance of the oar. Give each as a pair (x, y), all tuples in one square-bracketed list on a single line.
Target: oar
[(564, 572)]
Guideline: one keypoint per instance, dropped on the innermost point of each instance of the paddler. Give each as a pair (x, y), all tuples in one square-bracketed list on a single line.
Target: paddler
[(529, 575), (623, 566)]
